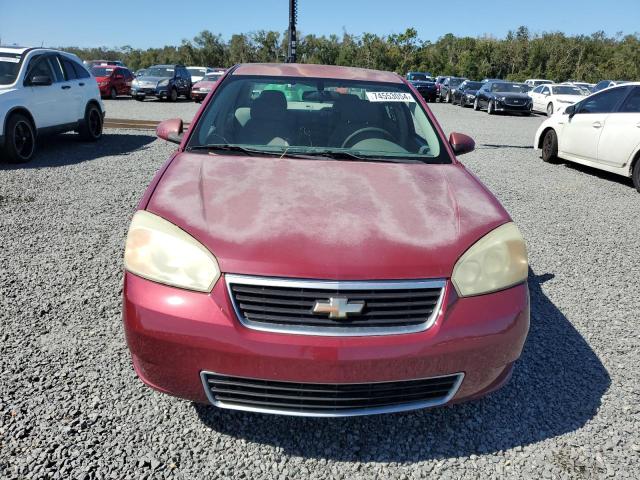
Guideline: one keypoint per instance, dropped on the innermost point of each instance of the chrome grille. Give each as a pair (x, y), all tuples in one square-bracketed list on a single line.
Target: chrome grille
[(286, 305), (328, 399)]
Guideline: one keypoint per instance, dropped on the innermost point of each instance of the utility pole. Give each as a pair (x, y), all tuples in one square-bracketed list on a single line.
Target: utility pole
[(293, 17)]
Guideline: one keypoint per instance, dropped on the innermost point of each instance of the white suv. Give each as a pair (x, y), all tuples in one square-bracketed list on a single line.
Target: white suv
[(44, 91)]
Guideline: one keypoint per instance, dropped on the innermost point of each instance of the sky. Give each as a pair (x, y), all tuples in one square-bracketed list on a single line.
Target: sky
[(145, 23)]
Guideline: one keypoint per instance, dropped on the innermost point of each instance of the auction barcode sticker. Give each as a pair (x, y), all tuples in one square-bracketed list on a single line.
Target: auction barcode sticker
[(390, 97)]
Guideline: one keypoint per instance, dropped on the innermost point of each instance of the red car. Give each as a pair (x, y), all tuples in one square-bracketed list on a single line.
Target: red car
[(112, 80), (315, 248), (201, 89)]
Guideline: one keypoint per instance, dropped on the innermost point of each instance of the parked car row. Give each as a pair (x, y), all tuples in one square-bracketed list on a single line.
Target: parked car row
[(165, 82)]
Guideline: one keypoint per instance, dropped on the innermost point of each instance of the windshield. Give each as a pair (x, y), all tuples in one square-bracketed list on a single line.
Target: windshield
[(420, 77), (566, 90), (198, 72), (101, 71), (472, 85), (9, 67), (338, 119), (509, 87), (454, 82), (212, 77), (159, 72)]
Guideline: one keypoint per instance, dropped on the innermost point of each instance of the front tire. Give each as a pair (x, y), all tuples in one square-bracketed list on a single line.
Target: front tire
[(549, 109), (550, 147), (91, 127), (113, 94), (476, 105), (635, 176), (173, 96), (490, 108), (20, 139), (447, 99)]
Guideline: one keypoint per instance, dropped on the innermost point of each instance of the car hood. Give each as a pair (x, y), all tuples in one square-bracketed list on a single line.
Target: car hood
[(569, 98), (327, 219), (511, 95), (204, 84), (102, 79), (151, 79), (422, 83)]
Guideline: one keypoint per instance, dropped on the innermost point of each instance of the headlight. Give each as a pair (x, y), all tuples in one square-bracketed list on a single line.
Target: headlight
[(471, 96), (495, 262), (501, 99), (163, 83), (159, 251), (103, 83)]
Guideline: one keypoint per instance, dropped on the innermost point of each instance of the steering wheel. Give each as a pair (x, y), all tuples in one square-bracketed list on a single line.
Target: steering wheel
[(367, 132)]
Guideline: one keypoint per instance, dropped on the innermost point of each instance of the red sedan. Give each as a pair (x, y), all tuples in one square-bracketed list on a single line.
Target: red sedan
[(112, 80), (315, 248), (201, 89)]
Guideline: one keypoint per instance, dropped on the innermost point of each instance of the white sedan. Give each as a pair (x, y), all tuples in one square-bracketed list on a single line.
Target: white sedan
[(600, 131), (554, 98)]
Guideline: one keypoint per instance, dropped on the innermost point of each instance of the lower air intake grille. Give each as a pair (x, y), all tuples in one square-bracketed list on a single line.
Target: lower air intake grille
[(328, 399)]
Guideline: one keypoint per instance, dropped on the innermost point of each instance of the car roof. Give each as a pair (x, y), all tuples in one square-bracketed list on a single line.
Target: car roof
[(317, 71), (21, 50)]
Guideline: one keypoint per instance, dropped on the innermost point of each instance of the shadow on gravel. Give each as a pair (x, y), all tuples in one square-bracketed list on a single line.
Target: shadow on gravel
[(556, 388), (495, 145), (68, 149), (596, 172)]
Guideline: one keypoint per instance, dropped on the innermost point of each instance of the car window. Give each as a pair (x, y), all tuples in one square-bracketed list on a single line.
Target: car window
[(57, 68), (538, 89), (81, 72), (69, 71), (310, 116), (604, 102), (40, 66), (632, 102)]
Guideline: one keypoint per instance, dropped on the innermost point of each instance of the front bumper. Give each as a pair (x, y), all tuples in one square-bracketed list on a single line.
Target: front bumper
[(199, 95), (157, 92), (174, 335), (506, 107)]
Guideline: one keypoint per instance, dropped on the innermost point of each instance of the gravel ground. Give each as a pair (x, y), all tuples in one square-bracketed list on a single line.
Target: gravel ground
[(72, 407), (151, 109)]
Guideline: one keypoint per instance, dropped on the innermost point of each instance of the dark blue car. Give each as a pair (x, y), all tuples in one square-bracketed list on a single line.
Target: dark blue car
[(424, 83)]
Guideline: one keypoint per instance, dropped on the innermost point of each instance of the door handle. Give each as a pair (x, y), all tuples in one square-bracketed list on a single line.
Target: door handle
[(81, 84), (638, 124), (596, 124), (66, 87)]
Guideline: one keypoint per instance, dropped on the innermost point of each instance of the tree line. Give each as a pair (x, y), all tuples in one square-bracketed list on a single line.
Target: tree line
[(517, 56)]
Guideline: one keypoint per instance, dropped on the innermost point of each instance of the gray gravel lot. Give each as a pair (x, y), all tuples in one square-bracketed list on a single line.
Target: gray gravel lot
[(150, 109), (72, 407)]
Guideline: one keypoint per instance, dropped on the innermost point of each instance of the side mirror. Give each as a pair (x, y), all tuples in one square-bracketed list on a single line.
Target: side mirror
[(461, 143), (570, 110), (170, 130), (40, 81)]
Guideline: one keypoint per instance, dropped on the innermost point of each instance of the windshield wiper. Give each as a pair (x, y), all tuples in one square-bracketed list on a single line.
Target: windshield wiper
[(233, 148), (351, 156)]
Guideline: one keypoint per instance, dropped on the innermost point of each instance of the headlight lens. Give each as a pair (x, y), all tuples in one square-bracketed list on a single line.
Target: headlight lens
[(495, 262), (471, 95), (159, 251), (163, 83)]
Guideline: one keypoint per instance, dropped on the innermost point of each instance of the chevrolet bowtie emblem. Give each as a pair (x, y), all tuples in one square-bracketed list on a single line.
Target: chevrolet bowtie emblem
[(338, 308)]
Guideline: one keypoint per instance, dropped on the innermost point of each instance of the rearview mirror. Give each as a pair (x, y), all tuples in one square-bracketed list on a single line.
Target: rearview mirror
[(461, 143), (40, 80), (170, 130)]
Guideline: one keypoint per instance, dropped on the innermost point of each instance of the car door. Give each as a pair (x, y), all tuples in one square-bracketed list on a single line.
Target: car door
[(46, 102), (76, 87), (482, 95), (582, 130), (620, 137), (543, 98), (535, 97)]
